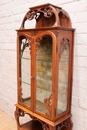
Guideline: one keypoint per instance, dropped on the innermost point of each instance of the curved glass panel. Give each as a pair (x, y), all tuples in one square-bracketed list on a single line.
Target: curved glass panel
[(25, 72), (44, 75), (63, 76)]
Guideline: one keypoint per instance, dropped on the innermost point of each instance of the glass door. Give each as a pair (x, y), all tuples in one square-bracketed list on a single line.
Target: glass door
[(25, 71), (44, 75)]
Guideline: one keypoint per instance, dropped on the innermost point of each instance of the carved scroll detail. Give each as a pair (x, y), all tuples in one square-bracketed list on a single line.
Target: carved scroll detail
[(30, 15), (25, 43), (64, 44), (45, 126), (48, 104), (35, 13), (38, 43), (21, 112), (65, 123), (47, 12), (17, 114)]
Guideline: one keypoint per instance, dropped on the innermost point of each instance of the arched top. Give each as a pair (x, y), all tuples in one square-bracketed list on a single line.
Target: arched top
[(45, 33), (47, 15)]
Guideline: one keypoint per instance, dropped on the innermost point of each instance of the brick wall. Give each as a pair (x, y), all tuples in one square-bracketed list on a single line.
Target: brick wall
[(11, 15)]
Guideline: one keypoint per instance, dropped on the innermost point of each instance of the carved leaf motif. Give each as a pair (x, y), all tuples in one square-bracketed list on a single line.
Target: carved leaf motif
[(47, 12), (64, 44), (45, 126), (37, 44), (48, 103), (65, 123), (30, 15), (21, 112), (25, 43)]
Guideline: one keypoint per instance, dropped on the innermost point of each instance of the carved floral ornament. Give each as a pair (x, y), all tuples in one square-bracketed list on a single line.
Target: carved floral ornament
[(35, 13), (25, 43), (47, 11), (65, 123), (64, 44)]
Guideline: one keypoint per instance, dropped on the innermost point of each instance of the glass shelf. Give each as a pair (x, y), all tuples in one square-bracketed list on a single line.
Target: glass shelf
[(26, 83), (48, 60), (25, 58), (46, 89)]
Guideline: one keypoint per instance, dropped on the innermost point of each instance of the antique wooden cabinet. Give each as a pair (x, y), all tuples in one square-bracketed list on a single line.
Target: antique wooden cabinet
[(44, 69)]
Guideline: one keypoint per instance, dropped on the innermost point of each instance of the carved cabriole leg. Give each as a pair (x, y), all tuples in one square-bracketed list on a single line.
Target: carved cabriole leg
[(17, 114)]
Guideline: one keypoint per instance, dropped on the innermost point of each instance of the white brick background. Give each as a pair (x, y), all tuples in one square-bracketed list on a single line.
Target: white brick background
[(11, 15)]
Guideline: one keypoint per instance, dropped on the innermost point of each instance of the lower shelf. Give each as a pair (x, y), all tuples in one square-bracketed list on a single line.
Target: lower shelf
[(32, 125)]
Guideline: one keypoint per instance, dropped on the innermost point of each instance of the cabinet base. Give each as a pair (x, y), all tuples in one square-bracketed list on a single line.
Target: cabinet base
[(37, 124)]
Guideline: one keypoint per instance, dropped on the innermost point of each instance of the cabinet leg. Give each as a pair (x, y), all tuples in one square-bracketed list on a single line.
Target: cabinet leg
[(17, 114), (17, 118), (68, 127), (65, 125)]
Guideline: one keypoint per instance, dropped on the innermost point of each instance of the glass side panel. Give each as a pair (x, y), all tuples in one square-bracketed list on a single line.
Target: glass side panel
[(25, 72), (44, 76), (63, 76)]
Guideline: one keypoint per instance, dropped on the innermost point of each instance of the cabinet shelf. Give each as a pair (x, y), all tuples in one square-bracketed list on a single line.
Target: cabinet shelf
[(48, 60), (45, 89), (32, 125)]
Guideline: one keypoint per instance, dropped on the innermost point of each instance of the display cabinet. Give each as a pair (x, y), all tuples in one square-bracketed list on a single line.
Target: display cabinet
[(44, 69)]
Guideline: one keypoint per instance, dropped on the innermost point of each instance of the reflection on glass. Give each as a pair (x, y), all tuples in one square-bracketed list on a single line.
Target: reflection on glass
[(25, 72), (63, 76), (44, 75)]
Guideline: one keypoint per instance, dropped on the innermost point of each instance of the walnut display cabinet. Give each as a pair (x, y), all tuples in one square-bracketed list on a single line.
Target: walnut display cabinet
[(44, 69)]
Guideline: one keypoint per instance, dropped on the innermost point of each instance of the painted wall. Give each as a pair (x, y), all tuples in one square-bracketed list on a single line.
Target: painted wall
[(11, 15)]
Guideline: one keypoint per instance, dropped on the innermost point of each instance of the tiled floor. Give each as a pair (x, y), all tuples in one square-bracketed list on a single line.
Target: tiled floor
[(6, 122)]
